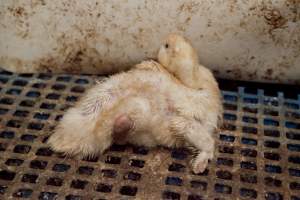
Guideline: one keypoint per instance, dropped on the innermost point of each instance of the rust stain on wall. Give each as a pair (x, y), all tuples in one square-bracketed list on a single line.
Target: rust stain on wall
[(249, 40)]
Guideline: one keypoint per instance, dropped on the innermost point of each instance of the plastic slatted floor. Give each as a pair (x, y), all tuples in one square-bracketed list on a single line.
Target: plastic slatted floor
[(257, 152)]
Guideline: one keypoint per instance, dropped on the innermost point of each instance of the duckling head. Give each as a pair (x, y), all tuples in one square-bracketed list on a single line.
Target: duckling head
[(178, 56)]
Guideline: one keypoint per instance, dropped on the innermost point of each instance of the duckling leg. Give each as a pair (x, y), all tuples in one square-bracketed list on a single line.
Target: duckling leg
[(197, 137), (85, 135), (129, 115)]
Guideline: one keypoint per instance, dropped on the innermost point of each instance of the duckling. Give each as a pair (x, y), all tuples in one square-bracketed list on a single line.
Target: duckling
[(152, 104)]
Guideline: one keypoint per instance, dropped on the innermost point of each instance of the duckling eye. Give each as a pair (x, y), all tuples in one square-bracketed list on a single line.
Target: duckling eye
[(167, 45)]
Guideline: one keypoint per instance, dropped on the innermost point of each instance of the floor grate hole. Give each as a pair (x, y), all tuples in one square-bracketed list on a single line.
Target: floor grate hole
[(7, 101), (228, 116), (85, 170), (223, 174), (200, 185), (28, 137), (27, 103), (179, 154), (3, 111), (221, 188), (45, 76), (227, 138), (44, 151), (194, 197), (72, 98), (230, 98), (270, 112), (3, 80), (293, 147), (292, 115), (251, 120), (26, 75), (41, 116), (229, 106), (249, 130), (134, 176), (250, 100), (53, 96), (292, 125), (23, 193), (109, 173), (58, 87), (248, 178), (173, 181), (248, 193), (250, 109), (7, 134), (77, 89), (248, 152), (272, 144), (82, 81), (291, 105), (39, 85), (113, 160), (21, 113), (64, 78), (104, 188), (74, 197), (226, 149), (7, 175), (272, 182), (249, 141), (48, 196), (79, 184), (271, 133), (273, 196), (24, 149), (14, 91), (38, 164), (273, 169), (140, 150), (294, 172), (33, 94), (29, 178), (20, 82), (293, 135), (176, 167), (54, 181), (295, 197), (3, 146), (14, 123), (169, 195), (35, 126), (136, 163), (3, 189), (14, 162), (48, 106), (294, 186), (248, 165), (128, 190), (294, 159), (225, 161), (61, 167), (271, 156)]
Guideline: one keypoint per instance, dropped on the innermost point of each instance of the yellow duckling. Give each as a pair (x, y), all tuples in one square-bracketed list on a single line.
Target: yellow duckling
[(175, 102)]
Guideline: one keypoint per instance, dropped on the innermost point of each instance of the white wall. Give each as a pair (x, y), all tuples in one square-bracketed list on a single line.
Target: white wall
[(240, 39)]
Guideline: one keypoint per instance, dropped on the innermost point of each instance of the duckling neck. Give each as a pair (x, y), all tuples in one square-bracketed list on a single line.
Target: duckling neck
[(198, 77)]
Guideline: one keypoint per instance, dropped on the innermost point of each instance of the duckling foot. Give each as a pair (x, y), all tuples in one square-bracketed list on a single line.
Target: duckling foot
[(200, 163)]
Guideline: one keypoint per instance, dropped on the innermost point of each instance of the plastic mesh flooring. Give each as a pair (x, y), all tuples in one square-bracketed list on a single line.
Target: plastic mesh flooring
[(257, 152)]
